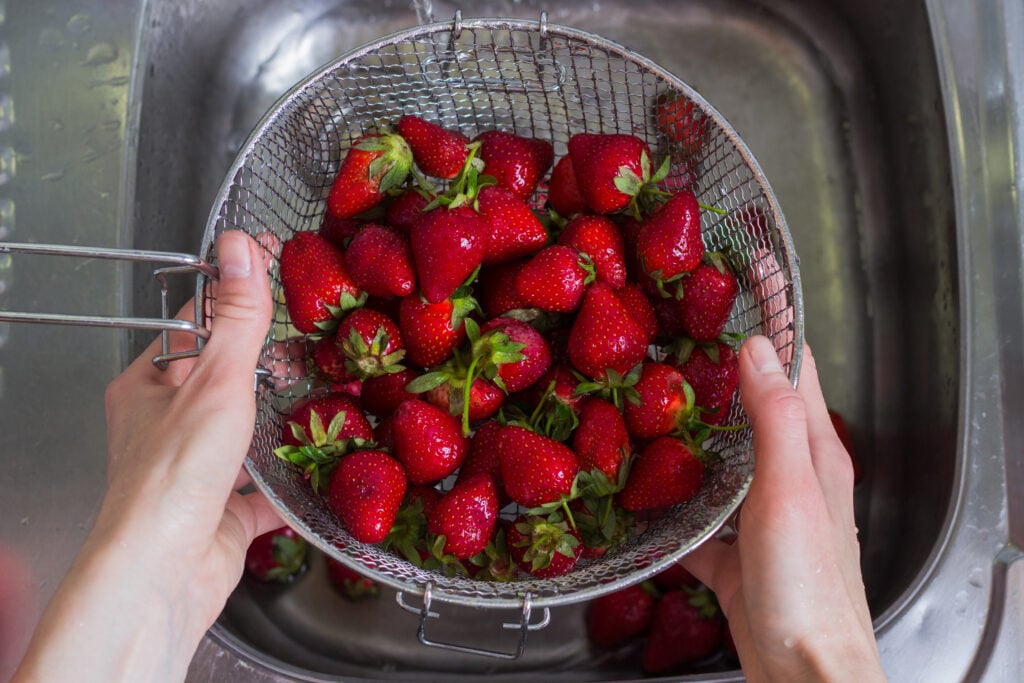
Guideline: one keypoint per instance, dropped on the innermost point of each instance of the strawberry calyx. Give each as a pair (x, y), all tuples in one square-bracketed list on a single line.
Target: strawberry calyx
[(494, 561), (320, 448), (704, 600), (289, 557), (614, 388), (346, 303), (543, 537), (465, 187), (553, 417), (393, 163), (408, 533), (371, 359)]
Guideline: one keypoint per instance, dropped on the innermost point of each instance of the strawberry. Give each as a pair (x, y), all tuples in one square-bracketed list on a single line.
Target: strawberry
[(485, 399), (465, 517), (432, 331), (380, 261), (686, 627), (639, 306), (514, 230), (365, 493), (604, 335), (372, 343), (675, 577), (601, 441), (535, 469), (317, 285), (408, 535), (338, 231), (563, 194), (555, 403), (438, 152), (712, 371), (427, 440), (447, 245), (327, 360), (380, 395), (662, 405), (601, 241), (483, 457), (518, 163), (497, 288), (544, 547), (665, 473), (321, 430), (404, 210), (277, 555), (616, 618), (516, 375), (373, 165), (610, 169), (682, 122), (669, 243), (708, 296), (350, 583), (555, 279)]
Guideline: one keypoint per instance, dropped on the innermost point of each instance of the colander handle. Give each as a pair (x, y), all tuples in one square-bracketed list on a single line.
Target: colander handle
[(524, 626), (178, 263)]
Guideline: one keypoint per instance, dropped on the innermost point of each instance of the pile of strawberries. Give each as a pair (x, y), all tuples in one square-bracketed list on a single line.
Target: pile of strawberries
[(495, 332)]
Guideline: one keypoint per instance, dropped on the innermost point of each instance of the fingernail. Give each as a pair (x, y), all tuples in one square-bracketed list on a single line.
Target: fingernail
[(763, 355), (233, 257)]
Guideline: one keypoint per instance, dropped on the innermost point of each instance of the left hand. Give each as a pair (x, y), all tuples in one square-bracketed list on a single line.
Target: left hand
[(170, 539)]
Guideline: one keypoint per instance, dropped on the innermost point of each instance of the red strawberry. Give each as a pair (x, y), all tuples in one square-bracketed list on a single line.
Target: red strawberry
[(380, 261), (686, 627), (605, 336), (317, 286), (328, 360), (497, 288), (669, 242), (535, 469), (349, 582), (365, 493), (319, 431), (682, 122), (615, 618), (382, 394), (427, 440), (372, 343), (518, 163), (373, 165), (544, 547), (404, 210), (554, 403), (639, 306), (518, 375), (708, 296), (555, 279), (661, 405), (338, 231), (514, 230), (563, 194), (276, 555), (432, 331), (448, 245), (610, 169), (665, 473), (675, 577), (599, 238), (466, 516), (438, 152), (485, 399), (483, 457), (713, 372), (601, 441)]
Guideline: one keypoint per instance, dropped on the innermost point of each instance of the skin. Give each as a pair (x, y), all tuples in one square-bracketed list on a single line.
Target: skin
[(169, 542), (791, 584)]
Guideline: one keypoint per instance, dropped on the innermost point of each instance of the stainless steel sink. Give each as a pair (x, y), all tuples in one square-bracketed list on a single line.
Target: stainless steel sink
[(884, 129)]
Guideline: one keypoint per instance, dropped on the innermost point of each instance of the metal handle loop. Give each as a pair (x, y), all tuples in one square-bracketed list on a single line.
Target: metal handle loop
[(524, 626)]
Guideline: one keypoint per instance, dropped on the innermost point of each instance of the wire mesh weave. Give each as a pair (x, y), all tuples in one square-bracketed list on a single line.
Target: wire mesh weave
[(536, 80)]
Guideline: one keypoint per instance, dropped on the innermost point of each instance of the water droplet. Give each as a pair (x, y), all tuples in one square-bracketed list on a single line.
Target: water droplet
[(789, 643), (53, 176), (79, 24), (100, 53)]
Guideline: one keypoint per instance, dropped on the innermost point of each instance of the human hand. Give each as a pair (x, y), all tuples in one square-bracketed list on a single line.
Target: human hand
[(170, 538), (791, 584)]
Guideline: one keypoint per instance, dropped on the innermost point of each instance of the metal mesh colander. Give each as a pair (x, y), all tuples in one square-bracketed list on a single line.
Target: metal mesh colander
[(537, 80)]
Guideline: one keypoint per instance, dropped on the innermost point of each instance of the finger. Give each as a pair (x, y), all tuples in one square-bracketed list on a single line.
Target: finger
[(778, 417), (142, 368), (830, 460), (256, 513), (715, 563)]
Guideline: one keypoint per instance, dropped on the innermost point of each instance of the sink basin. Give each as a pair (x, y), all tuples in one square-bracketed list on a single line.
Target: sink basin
[(840, 103)]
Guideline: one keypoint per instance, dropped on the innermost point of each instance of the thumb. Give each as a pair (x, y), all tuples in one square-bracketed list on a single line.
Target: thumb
[(242, 309)]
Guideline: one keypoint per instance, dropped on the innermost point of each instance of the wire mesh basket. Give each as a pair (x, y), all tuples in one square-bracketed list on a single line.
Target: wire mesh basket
[(533, 79)]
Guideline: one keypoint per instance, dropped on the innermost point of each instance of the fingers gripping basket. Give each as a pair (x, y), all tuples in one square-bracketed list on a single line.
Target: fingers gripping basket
[(533, 79)]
